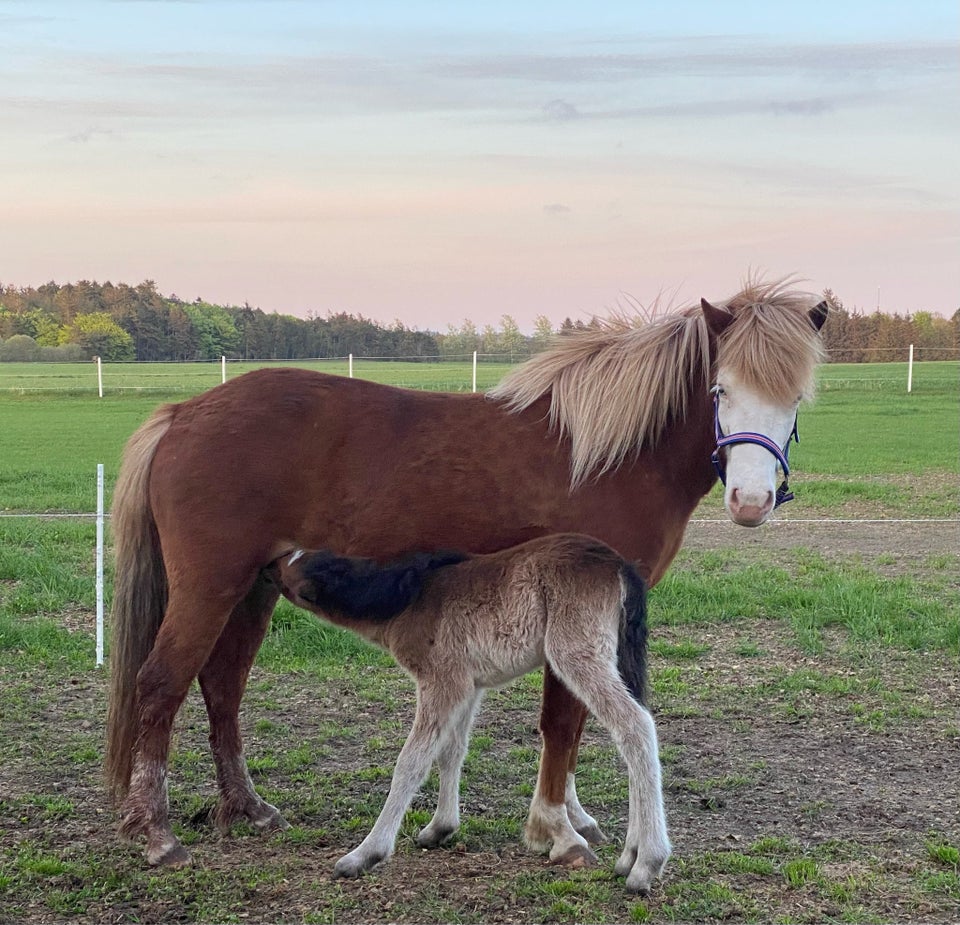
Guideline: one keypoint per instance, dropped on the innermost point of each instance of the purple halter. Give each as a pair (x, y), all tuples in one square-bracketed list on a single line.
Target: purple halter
[(746, 436)]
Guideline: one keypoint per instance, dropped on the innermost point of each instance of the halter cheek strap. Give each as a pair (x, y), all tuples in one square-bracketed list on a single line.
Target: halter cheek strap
[(747, 436)]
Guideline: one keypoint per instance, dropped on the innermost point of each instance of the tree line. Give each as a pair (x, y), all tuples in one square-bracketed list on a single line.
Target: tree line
[(77, 321)]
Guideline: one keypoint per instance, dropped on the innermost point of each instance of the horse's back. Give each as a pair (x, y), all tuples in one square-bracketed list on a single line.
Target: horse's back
[(286, 457)]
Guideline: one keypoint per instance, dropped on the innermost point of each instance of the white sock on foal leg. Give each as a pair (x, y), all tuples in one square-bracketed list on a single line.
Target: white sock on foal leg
[(435, 706), (446, 819)]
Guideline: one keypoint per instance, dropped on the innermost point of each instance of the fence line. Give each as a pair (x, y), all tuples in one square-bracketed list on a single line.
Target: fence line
[(166, 384), (693, 520)]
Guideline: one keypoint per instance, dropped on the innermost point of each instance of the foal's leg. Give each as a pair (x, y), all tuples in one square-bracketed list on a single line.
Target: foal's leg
[(187, 635), (446, 820), (438, 701), (555, 812), (597, 682), (223, 681)]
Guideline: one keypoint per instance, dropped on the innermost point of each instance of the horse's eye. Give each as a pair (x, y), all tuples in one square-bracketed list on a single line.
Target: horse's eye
[(719, 390)]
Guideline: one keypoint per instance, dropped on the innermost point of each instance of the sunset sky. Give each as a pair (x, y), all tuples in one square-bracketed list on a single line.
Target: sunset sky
[(430, 162)]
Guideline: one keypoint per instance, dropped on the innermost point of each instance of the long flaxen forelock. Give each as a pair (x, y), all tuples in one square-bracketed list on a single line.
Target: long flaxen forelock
[(614, 388), (772, 346)]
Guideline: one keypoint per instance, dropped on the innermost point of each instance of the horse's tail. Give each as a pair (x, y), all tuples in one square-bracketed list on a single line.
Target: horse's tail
[(632, 648), (358, 589), (139, 595)]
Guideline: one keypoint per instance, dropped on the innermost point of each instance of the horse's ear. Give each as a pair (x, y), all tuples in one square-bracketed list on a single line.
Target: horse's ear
[(718, 319), (818, 314)]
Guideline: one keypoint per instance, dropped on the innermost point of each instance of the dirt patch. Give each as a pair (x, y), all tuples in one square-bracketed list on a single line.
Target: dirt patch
[(899, 547)]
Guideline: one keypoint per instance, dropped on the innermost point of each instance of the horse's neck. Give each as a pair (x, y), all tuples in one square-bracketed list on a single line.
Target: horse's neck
[(647, 504)]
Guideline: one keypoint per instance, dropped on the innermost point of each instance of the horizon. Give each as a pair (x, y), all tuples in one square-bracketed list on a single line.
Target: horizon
[(430, 164)]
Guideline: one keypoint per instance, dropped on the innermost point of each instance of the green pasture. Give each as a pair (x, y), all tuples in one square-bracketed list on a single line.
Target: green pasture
[(880, 448)]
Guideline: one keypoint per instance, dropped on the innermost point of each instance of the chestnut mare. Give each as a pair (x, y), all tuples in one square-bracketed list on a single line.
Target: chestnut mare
[(609, 432)]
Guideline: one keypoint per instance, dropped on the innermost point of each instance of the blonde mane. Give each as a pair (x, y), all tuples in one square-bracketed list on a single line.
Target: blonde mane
[(615, 387)]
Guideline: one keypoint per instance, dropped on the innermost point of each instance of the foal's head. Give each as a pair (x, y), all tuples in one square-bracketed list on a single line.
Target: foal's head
[(357, 589)]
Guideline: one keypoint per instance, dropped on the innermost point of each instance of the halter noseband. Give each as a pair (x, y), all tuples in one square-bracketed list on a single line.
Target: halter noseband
[(746, 436)]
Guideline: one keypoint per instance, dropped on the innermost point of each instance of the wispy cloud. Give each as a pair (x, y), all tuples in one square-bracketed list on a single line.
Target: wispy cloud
[(727, 58), (91, 134), (563, 111)]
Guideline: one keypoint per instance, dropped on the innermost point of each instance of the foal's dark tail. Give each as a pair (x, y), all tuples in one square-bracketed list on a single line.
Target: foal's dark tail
[(632, 649), (359, 589)]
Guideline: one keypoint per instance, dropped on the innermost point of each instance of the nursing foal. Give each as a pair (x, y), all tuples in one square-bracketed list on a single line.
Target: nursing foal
[(462, 624)]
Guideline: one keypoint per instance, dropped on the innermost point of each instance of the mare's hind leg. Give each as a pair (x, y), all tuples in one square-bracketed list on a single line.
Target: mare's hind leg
[(453, 749), (438, 702), (555, 812), (580, 819), (187, 635), (223, 681)]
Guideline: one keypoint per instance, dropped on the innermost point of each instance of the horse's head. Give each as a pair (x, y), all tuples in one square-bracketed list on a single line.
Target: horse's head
[(765, 356)]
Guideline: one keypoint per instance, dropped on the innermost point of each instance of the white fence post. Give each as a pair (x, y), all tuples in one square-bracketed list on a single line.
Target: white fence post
[(99, 564), (350, 365), (910, 371), (474, 370), (99, 377), (223, 370)]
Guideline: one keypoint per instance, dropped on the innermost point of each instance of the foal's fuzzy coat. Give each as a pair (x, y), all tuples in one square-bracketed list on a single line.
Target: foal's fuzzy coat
[(460, 625)]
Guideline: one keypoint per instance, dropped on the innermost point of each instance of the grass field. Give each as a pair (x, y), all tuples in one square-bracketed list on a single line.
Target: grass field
[(856, 442), (806, 703)]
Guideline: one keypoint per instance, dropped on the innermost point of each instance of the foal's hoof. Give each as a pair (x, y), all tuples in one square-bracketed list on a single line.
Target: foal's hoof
[(575, 857), (434, 838), (641, 875), (351, 866)]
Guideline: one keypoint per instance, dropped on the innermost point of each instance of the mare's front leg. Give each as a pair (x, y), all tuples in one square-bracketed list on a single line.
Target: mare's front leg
[(187, 635), (223, 681), (556, 819), (438, 701)]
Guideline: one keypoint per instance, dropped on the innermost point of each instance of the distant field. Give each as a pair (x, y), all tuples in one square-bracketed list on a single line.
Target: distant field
[(863, 426)]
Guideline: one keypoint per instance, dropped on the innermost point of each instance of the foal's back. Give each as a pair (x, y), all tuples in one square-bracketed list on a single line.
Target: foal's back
[(487, 617)]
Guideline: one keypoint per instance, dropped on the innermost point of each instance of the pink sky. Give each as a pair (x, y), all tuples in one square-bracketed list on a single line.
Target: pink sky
[(449, 164)]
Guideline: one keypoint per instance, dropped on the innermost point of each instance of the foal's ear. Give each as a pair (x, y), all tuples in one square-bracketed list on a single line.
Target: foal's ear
[(818, 314), (718, 319)]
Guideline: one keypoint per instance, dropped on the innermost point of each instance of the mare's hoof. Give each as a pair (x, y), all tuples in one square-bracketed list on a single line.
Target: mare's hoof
[(270, 821), (262, 817), (171, 855), (575, 857)]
